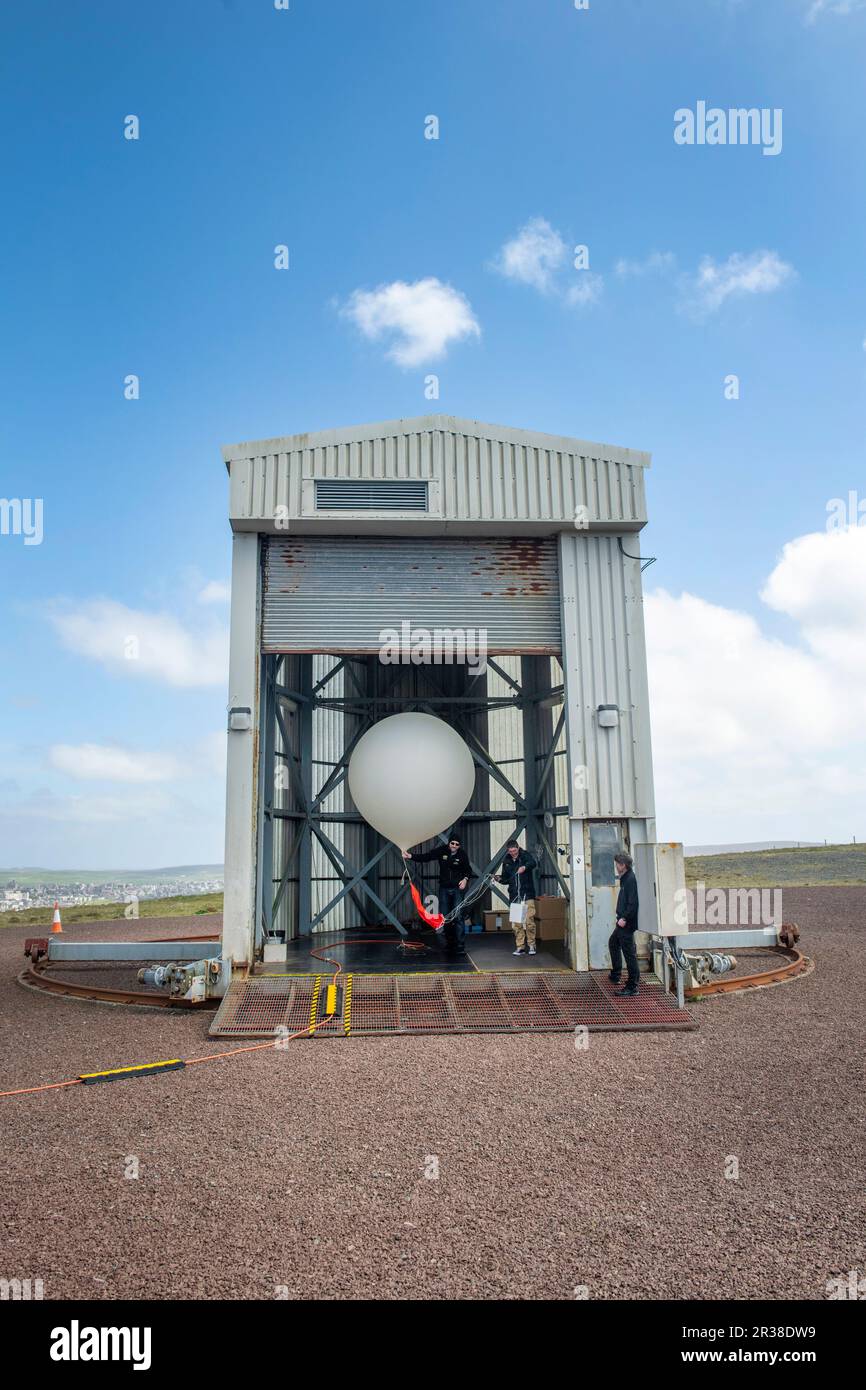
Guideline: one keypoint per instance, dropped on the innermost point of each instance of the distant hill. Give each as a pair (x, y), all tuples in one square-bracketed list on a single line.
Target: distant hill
[(32, 878), (810, 866), (750, 847)]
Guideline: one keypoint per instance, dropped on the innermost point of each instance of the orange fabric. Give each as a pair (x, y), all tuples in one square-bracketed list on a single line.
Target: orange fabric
[(433, 919)]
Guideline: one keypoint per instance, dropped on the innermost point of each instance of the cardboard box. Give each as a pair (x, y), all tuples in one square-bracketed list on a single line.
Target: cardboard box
[(553, 909), (497, 920), (551, 918), (546, 930)]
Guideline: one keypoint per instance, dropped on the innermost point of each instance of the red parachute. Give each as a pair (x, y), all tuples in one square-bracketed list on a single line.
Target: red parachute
[(433, 919)]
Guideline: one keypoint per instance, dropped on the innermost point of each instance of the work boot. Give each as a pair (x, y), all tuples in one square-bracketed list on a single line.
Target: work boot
[(627, 992), (614, 979)]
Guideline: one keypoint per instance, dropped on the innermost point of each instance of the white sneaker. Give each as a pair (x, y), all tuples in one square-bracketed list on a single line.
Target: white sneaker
[(532, 951), (519, 952)]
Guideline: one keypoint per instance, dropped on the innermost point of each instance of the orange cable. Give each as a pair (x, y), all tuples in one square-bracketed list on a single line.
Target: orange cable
[(253, 1047)]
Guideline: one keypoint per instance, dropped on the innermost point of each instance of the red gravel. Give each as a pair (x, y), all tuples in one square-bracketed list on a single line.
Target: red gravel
[(305, 1168)]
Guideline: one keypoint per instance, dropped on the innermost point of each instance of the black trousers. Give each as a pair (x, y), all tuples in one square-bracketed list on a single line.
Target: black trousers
[(455, 935), (622, 943)]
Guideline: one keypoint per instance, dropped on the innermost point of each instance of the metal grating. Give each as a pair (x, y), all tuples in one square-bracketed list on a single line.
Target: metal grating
[(504, 1002), (371, 495), (257, 1008)]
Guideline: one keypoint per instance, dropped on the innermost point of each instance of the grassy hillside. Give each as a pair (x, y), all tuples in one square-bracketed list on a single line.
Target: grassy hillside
[(35, 877), (772, 868), (780, 868), (190, 905)]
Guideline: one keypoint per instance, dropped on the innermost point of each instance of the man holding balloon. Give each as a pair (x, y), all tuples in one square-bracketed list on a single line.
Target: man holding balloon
[(454, 873), (411, 776)]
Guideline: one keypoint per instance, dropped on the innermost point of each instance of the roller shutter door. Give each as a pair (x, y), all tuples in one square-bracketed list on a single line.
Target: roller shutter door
[(337, 594)]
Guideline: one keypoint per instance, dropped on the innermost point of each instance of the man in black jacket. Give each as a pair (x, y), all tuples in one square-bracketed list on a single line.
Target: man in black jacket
[(454, 873), (517, 872), (622, 942)]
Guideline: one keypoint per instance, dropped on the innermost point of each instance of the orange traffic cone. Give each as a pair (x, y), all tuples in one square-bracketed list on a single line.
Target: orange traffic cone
[(56, 925)]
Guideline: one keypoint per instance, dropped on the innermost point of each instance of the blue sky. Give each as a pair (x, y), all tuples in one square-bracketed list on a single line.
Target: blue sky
[(261, 127)]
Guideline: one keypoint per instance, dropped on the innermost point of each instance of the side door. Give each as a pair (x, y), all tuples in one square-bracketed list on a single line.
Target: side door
[(602, 840)]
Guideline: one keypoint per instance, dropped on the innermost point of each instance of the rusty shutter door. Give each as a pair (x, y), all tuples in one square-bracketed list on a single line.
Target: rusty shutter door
[(338, 594)]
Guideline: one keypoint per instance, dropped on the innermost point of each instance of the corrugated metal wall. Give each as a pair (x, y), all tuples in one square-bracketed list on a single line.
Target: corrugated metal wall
[(605, 664), (484, 473)]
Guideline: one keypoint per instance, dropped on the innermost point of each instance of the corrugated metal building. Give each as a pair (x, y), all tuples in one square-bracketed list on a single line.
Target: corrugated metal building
[(441, 523)]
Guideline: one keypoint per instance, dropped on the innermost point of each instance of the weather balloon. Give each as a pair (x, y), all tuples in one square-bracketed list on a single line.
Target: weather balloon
[(411, 777)]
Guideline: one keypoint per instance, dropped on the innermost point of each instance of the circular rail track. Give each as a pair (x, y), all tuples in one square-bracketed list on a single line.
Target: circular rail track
[(795, 963), (39, 975)]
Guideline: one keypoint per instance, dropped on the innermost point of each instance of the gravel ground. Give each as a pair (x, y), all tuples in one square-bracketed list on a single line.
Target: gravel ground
[(312, 1171)]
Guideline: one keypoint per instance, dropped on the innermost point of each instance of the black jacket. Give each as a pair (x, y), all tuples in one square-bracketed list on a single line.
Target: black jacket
[(520, 886), (626, 902), (453, 868)]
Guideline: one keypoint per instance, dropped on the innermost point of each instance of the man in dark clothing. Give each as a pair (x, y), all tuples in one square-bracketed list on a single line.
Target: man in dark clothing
[(454, 874), (622, 942), (517, 872)]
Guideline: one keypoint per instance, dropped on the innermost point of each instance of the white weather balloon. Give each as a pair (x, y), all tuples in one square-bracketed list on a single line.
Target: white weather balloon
[(411, 776)]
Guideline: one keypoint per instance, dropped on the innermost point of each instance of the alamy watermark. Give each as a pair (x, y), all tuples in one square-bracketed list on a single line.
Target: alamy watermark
[(712, 125), (843, 513), (77, 1343), (21, 1290), (22, 516), (438, 646), (728, 907), (850, 1285)]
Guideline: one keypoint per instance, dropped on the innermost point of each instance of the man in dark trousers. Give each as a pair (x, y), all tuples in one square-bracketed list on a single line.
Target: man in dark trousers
[(517, 871), (622, 942), (454, 874)]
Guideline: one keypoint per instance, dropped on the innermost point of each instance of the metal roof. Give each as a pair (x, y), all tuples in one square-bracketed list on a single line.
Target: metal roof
[(349, 434), (433, 473)]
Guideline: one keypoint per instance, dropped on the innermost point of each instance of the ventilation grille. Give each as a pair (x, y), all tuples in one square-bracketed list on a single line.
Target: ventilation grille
[(371, 495)]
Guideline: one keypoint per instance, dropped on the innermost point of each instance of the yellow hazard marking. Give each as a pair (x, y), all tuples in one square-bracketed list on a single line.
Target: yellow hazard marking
[(347, 1005), (314, 1002), (121, 1073)]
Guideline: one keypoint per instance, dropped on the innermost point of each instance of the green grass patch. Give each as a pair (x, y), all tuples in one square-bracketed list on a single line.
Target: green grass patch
[(188, 905), (813, 867)]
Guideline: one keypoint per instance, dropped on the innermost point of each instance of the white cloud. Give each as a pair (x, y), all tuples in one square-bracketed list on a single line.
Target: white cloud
[(202, 759), (824, 7), (129, 642), (657, 262), (820, 582), (761, 272), (423, 319), (107, 763), (586, 289), (533, 256), (215, 592), (536, 255), (754, 736), (155, 807)]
